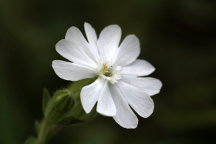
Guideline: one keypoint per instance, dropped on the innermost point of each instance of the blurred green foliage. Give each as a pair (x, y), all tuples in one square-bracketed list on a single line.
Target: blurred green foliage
[(177, 37)]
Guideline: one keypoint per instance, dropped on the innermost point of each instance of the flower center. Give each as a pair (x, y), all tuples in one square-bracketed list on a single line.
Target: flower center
[(109, 72), (106, 70)]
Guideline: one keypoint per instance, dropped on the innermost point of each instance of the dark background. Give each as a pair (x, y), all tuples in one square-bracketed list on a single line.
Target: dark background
[(177, 36)]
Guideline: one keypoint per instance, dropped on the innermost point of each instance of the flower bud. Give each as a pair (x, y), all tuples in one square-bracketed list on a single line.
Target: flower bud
[(58, 106), (77, 114), (65, 108)]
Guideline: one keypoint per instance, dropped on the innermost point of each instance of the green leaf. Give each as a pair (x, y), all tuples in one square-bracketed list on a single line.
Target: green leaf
[(31, 140), (46, 99)]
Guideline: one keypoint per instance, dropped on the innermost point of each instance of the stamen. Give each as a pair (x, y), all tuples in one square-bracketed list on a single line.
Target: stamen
[(107, 71)]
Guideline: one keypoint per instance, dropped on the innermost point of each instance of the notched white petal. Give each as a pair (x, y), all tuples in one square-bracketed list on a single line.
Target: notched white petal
[(139, 68), (138, 100), (90, 94), (108, 41), (70, 71), (149, 85), (125, 117), (98, 92), (90, 33), (128, 51), (74, 34), (105, 105), (92, 39), (70, 50)]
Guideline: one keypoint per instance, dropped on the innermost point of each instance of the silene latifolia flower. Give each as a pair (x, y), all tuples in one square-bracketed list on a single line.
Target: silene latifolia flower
[(120, 85)]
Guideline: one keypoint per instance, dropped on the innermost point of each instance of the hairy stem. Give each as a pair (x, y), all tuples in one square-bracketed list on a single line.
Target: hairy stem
[(43, 132)]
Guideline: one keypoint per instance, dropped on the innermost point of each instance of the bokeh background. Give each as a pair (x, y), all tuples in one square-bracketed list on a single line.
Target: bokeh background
[(177, 36)]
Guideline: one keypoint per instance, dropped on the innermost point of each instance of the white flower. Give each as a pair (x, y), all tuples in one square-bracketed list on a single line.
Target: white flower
[(119, 85)]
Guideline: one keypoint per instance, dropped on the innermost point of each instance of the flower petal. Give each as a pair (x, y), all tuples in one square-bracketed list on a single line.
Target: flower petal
[(149, 85), (138, 68), (108, 42), (138, 100), (105, 105), (90, 33), (129, 50), (90, 94), (74, 34), (125, 117), (70, 71), (72, 51), (92, 39)]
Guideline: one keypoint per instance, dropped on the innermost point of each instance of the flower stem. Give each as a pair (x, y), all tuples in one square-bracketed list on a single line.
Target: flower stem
[(43, 132)]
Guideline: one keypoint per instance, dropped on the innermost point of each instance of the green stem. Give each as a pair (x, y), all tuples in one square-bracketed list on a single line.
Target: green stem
[(43, 132)]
